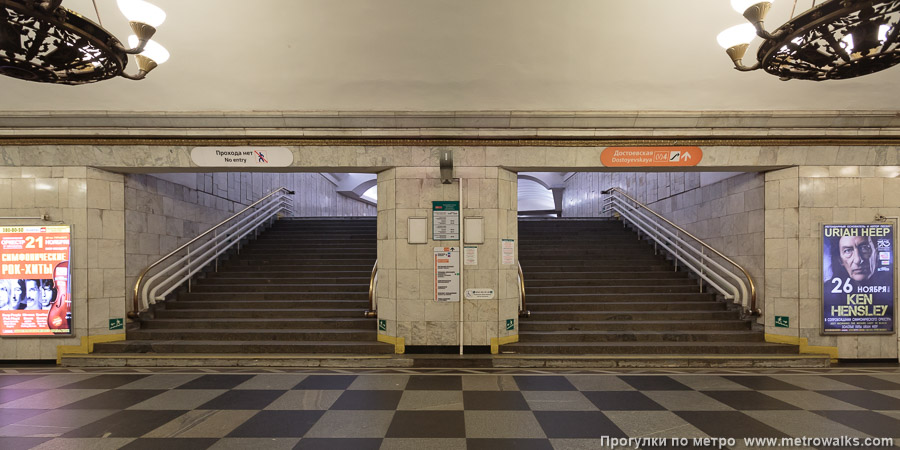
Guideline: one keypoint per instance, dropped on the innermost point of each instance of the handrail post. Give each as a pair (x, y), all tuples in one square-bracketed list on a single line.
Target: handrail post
[(372, 312), (217, 247), (523, 308)]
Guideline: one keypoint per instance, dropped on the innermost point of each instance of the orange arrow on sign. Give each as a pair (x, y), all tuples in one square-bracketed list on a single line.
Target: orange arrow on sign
[(651, 156)]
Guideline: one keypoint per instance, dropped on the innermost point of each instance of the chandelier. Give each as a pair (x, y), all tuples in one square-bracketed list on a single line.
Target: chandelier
[(834, 40), (42, 41)]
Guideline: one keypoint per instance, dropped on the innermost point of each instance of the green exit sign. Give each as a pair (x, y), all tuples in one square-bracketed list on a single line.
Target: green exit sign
[(116, 324), (510, 324), (382, 325), (782, 321)]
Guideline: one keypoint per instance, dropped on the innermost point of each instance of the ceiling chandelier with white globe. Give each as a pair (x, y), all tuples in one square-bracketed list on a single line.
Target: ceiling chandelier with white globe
[(833, 40), (42, 41)]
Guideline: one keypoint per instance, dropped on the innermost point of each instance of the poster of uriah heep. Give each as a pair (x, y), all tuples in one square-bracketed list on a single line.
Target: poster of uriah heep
[(858, 274), (35, 287)]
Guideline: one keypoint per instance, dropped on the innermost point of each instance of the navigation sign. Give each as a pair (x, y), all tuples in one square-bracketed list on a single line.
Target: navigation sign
[(446, 274), (510, 324), (382, 325), (782, 321), (651, 156), (242, 156), (116, 324), (445, 221), (479, 294)]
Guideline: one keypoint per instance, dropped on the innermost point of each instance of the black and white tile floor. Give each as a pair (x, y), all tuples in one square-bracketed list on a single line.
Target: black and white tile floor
[(492, 409)]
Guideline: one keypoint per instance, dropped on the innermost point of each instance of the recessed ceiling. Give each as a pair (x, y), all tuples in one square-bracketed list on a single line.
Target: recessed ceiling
[(447, 55)]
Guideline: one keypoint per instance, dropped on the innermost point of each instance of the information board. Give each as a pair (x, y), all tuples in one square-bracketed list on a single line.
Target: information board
[(858, 273), (446, 274), (35, 281), (445, 221)]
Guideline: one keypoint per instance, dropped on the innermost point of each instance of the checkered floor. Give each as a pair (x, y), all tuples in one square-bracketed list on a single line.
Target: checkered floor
[(409, 410)]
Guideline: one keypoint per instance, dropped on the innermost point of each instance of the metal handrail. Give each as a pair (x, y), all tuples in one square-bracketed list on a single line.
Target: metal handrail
[(523, 309), (372, 312), (704, 260), (237, 232)]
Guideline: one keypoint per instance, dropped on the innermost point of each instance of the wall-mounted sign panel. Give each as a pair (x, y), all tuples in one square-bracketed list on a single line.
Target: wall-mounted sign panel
[(479, 294), (651, 156), (470, 256), (507, 251), (858, 294), (446, 274), (242, 157), (35, 281), (445, 221)]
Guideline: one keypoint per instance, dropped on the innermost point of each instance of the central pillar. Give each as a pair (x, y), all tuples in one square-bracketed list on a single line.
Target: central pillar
[(408, 312)]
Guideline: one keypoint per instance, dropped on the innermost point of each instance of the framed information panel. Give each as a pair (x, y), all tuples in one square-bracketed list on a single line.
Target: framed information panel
[(858, 295), (35, 281)]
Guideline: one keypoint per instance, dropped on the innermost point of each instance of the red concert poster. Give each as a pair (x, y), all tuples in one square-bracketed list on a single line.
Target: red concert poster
[(35, 281)]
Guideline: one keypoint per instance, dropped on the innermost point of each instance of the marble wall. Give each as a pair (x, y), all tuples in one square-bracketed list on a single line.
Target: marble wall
[(728, 215), (799, 201), (405, 289), (92, 202)]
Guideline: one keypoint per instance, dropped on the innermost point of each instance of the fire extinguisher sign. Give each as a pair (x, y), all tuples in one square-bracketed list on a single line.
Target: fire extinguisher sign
[(35, 281)]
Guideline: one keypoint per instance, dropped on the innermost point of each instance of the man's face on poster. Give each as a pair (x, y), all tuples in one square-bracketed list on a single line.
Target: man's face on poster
[(856, 256), (31, 292)]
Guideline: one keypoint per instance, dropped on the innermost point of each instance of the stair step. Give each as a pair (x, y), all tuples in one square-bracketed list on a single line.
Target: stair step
[(640, 336), (278, 296), (267, 304), (215, 346), (620, 289), (621, 348), (359, 323), (576, 316), (255, 335), (647, 325), (267, 313), (536, 307), (214, 286)]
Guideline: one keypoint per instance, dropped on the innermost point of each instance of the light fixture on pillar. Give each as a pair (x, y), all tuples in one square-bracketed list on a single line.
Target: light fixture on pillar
[(834, 40), (446, 167), (42, 41)]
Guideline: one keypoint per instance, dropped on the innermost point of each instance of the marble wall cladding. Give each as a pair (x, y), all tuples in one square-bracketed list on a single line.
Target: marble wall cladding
[(406, 271), (92, 202), (798, 202), (729, 215)]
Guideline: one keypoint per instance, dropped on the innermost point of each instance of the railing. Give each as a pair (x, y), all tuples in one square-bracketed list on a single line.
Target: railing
[(523, 309), (185, 261), (372, 312), (687, 249)]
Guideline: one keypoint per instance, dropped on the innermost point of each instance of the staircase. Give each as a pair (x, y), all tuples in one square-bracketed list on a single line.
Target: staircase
[(594, 288), (300, 287)]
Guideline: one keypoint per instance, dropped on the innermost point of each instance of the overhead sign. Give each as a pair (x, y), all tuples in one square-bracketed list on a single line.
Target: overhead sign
[(35, 281), (858, 272), (445, 221), (244, 157), (446, 274), (651, 156)]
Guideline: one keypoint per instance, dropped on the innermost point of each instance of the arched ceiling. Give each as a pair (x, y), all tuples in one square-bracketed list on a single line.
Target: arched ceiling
[(447, 55)]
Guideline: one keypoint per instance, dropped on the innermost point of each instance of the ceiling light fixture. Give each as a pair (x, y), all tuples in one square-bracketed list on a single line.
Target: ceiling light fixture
[(42, 41), (834, 40)]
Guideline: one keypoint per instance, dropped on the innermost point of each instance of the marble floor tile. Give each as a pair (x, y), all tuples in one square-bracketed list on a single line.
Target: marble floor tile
[(654, 383), (810, 400), (543, 383), (489, 383), (427, 424), (708, 383), (113, 399), (508, 444), (161, 381), (10, 381), (866, 399), (277, 424), (622, 401), (494, 400), (748, 400), (687, 401), (761, 382), (110, 443), (254, 443), (124, 424), (339, 444), (202, 424), (53, 381), (352, 424), (309, 399), (11, 416), (276, 382), (595, 383), (431, 400), (866, 382), (869, 422), (215, 382), (803, 423), (242, 399), (170, 444), (52, 399), (54, 423), (103, 382), (434, 383), (577, 424), (577, 444), (502, 424), (368, 400), (818, 382), (420, 443), (379, 383), (180, 399), (728, 424), (558, 401), (10, 395), (21, 443), (326, 382)]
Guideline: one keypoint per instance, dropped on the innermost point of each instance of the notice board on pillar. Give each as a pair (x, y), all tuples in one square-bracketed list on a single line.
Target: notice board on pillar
[(446, 274), (35, 281), (858, 272), (445, 221)]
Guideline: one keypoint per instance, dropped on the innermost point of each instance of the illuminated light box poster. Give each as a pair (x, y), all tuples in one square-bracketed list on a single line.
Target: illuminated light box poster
[(858, 273), (35, 281)]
